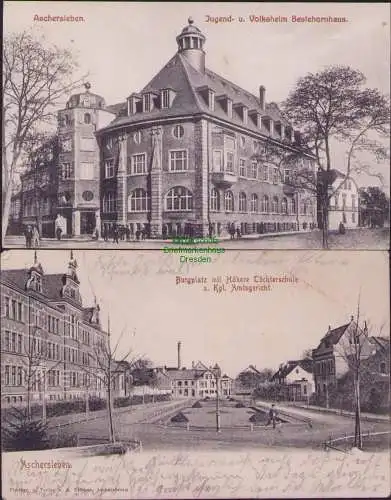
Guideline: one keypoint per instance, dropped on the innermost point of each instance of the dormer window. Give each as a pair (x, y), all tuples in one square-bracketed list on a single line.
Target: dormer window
[(147, 102), (165, 99), (211, 99), (229, 108)]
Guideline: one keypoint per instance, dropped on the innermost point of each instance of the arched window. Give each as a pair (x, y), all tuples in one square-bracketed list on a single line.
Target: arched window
[(87, 118), (293, 206), (284, 206), (254, 203), (265, 204), (229, 201), (109, 202), (179, 198), (275, 205), (242, 202), (139, 201), (309, 208), (214, 200), (303, 207)]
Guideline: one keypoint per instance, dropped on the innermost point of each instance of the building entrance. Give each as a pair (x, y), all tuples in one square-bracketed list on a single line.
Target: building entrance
[(87, 222)]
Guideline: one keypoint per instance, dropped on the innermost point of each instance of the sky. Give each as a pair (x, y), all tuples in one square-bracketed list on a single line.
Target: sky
[(123, 45), (138, 291)]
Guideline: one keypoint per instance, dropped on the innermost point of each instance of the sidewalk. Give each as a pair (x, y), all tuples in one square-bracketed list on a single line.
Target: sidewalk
[(252, 236), (370, 417), (140, 413)]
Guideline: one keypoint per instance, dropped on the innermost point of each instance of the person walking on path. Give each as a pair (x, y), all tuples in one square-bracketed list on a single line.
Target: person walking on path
[(272, 416), (29, 236), (35, 237)]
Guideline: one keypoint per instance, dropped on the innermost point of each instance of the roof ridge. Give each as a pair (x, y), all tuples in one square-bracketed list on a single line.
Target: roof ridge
[(195, 95)]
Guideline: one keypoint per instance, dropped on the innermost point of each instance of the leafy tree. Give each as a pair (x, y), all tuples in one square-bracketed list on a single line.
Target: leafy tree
[(333, 106), (375, 206), (36, 76)]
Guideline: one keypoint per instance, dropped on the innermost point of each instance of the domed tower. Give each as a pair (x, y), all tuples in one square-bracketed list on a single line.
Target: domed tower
[(191, 45), (78, 170)]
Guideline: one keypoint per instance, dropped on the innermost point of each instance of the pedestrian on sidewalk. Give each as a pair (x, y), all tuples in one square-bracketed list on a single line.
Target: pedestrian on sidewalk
[(272, 416), (35, 237), (29, 236)]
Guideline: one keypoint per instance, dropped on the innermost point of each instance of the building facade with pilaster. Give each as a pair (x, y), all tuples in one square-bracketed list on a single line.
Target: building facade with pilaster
[(181, 157), (48, 338)]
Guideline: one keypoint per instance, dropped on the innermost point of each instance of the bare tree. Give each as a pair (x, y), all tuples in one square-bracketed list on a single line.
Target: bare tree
[(36, 76), (104, 368), (330, 107), (353, 348), (38, 356)]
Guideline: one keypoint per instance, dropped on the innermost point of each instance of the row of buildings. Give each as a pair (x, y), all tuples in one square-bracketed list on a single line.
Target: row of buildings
[(54, 347), (184, 156), (326, 376)]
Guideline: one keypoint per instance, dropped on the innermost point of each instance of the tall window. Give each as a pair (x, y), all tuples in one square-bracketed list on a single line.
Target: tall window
[(343, 201), (287, 176), (109, 168), (284, 206), (253, 170), (66, 171), (139, 164), (87, 118), (179, 198), (109, 202), (178, 161), (265, 204), (217, 161), (293, 206), (214, 200), (275, 175), (309, 207), (275, 205), (229, 167), (139, 200), (242, 167), (254, 203), (353, 202), (229, 201), (242, 202), (265, 173)]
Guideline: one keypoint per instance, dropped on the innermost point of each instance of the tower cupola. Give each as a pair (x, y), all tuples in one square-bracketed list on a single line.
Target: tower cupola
[(191, 45)]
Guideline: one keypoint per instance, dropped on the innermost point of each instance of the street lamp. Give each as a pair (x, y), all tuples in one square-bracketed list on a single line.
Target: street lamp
[(216, 375)]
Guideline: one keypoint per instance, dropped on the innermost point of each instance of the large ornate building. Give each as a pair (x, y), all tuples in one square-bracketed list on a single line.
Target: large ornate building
[(48, 338), (180, 157)]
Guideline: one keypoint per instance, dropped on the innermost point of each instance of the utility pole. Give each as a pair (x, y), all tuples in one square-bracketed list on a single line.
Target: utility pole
[(217, 403), (44, 395)]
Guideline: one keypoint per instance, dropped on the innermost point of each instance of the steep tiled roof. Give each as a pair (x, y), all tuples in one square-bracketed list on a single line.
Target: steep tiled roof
[(185, 374), (51, 287), (287, 368), (333, 336), (180, 75)]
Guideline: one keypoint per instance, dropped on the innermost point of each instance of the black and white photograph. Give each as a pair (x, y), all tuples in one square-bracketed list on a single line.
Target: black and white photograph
[(253, 126), (129, 375)]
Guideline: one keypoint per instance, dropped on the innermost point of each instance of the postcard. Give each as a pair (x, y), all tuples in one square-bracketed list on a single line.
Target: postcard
[(137, 375), (214, 125)]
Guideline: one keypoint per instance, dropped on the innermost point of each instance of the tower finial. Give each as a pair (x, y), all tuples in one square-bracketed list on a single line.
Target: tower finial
[(87, 86), (190, 20)]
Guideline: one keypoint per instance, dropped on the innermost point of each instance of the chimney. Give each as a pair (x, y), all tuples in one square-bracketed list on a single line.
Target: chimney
[(193, 364), (262, 91), (352, 318), (179, 355), (329, 328)]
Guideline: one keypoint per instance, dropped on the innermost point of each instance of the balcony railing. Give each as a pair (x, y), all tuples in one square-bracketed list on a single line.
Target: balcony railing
[(224, 179)]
